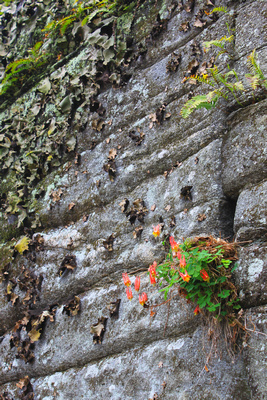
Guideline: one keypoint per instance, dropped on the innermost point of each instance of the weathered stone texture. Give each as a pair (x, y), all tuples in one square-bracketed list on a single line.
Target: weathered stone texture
[(221, 154)]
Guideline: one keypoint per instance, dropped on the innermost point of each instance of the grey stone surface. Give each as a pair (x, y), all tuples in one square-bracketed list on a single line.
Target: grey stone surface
[(244, 149), (177, 364), (250, 215), (250, 276), (250, 27), (255, 351)]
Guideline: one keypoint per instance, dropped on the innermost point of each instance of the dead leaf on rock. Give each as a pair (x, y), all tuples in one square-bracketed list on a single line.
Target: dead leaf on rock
[(112, 154), (113, 308), (98, 124), (38, 242), (13, 298), (153, 208), (25, 385), (168, 207), (138, 232), (192, 67), (201, 217), (184, 27), (37, 322), (69, 263), (174, 62), (160, 114), (167, 116), (85, 217), (172, 222), (199, 23), (137, 138), (56, 195), (124, 205), (137, 211), (71, 205), (186, 192), (73, 306), (98, 330), (110, 167), (108, 244)]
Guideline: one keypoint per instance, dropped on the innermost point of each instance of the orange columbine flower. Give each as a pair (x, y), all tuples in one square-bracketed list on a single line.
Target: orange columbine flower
[(174, 244), (153, 273), (137, 283), (185, 277), (126, 279), (197, 310), (143, 298), (152, 279), (129, 293), (182, 262), (157, 230), (204, 275)]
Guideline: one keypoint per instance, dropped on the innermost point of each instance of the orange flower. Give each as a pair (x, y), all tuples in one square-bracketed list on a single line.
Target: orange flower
[(204, 275), (157, 230), (152, 273), (137, 283), (197, 309), (129, 293), (126, 279), (152, 269), (182, 262), (185, 277), (152, 279), (174, 244), (143, 298)]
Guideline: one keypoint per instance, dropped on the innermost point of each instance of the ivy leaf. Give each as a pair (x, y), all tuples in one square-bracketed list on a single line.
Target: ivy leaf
[(22, 244)]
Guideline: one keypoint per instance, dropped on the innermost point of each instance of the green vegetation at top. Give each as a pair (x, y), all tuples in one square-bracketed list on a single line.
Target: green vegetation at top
[(21, 73)]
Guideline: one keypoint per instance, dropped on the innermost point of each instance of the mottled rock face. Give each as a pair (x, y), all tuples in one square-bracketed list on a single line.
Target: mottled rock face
[(102, 124)]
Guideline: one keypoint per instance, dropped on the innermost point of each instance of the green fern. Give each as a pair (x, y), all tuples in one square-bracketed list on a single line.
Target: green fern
[(256, 77), (207, 101), (218, 43), (219, 9)]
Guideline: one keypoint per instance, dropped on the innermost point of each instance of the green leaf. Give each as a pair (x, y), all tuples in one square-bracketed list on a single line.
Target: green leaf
[(22, 245), (207, 101), (235, 267), (225, 293)]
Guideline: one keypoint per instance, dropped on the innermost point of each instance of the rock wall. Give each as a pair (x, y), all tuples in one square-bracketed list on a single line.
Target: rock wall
[(221, 153)]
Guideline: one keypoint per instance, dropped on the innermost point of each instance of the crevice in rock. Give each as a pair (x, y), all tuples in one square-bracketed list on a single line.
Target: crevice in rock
[(227, 217)]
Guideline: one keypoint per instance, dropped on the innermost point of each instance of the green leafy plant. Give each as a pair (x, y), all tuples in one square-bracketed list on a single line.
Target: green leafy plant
[(17, 71), (202, 268)]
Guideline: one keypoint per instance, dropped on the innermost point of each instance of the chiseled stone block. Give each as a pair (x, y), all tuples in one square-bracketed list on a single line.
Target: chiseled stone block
[(250, 221), (244, 152)]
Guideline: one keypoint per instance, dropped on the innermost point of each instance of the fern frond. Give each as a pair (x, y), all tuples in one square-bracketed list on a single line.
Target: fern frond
[(253, 80), (254, 66), (218, 43), (207, 101), (219, 9)]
